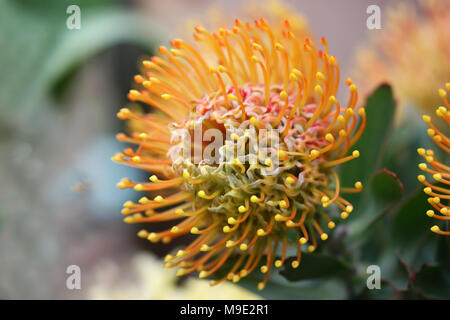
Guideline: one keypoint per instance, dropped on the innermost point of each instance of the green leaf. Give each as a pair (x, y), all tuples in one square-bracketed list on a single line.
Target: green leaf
[(278, 287), (383, 192), (380, 110), (314, 266), (432, 282)]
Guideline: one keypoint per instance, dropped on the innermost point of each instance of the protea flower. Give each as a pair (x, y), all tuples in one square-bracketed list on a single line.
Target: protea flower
[(439, 195), (253, 87), (407, 38)]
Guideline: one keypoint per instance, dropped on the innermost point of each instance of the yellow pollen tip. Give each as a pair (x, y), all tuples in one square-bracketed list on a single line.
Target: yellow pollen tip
[(212, 69), (349, 209), (234, 136), (431, 132), (278, 263), (290, 180), (421, 151), (125, 211), (201, 194), (179, 211), (261, 286), (302, 240), (429, 159), (168, 258), (324, 199), (194, 230), (229, 243), (355, 154), (135, 93), (430, 213), (235, 278), (204, 247), (253, 121), (283, 204), (437, 177), (436, 200), (324, 236), (260, 232), (158, 199), (153, 237), (243, 247), (136, 159), (362, 112), (442, 93), (444, 211), (153, 178), (254, 199), (186, 174), (318, 89), (295, 264), (128, 204), (421, 178), (353, 88), (329, 137), (331, 225), (144, 200), (283, 95), (268, 162), (180, 272), (175, 229), (231, 220), (344, 215), (255, 59), (226, 229), (311, 248), (142, 234), (242, 209), (314, 153), (128, 220), (143, 136), (358, 185), (232, 97), (320, 76), (422, 166), (180, 253), (435, 229), (278, 217), (166, 96), (426, 118), (427, 190), (139, 187), (332, 99), (264, 269)]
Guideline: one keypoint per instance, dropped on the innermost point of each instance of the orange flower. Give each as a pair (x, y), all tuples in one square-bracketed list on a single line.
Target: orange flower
[(411, 53), (439, 171), (252, 84)]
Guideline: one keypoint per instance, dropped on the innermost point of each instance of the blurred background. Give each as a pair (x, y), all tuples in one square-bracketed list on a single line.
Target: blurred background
[(60, 90)]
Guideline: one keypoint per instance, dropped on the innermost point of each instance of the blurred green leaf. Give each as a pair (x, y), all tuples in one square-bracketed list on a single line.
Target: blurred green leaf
[(278, 287), (314, 266), (43, 50)]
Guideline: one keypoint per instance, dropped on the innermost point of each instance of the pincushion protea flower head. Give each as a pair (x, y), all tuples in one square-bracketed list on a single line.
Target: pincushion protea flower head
[(409, 45), (440, 172), (272, 94)]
